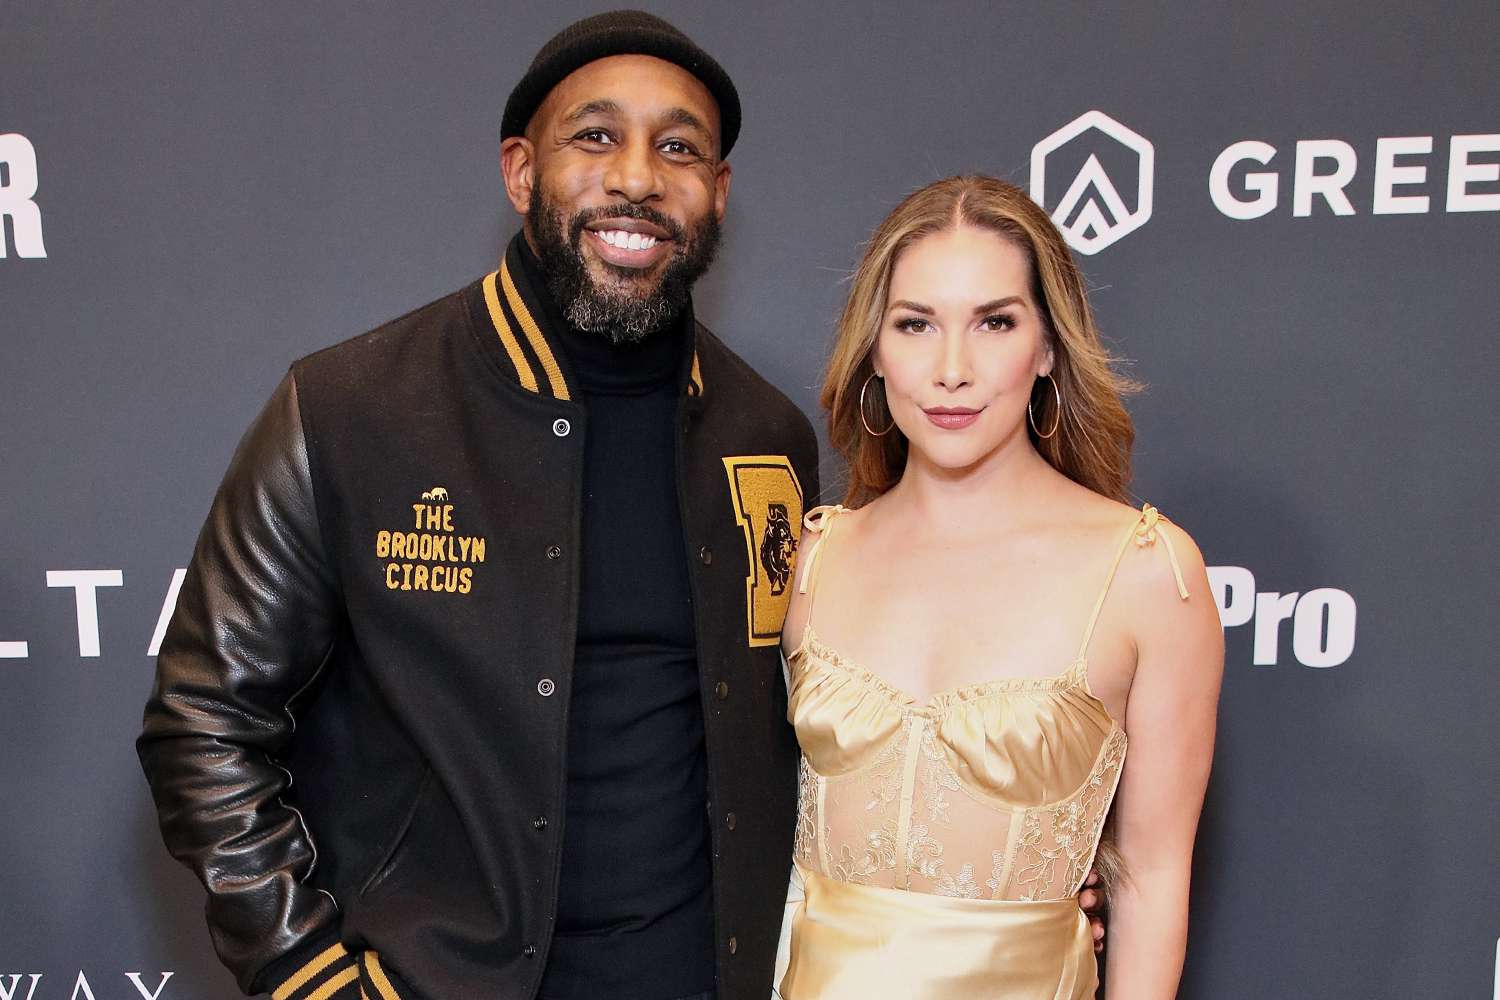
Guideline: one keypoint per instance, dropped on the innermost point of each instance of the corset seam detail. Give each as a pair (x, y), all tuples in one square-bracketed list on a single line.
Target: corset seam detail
[(908, 794), (824, 864), (1003, 872)]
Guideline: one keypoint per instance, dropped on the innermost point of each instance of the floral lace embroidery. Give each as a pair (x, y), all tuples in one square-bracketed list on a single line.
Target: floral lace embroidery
[(1095, 802), (961, 885), (885, 773), (878, 853), (937, 777), (925, 850), (805, 840), (1053, 848), (1040, 863), (873, 849), (924, 853), (1067, 833), (997, 873)]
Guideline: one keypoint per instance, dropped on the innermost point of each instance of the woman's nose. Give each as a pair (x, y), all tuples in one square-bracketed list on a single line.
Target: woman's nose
[(953, 365)]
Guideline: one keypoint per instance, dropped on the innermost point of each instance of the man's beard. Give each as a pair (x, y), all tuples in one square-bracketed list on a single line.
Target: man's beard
[(634, 305)]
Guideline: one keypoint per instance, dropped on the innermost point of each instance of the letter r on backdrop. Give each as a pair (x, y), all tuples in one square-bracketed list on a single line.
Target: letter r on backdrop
[(18, 183)]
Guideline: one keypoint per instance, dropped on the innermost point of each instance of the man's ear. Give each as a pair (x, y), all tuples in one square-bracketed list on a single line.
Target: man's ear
[(518, 170), (723, 174)]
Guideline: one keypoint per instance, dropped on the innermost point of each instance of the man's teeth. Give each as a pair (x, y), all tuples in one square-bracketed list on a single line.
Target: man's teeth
[(626, 241)]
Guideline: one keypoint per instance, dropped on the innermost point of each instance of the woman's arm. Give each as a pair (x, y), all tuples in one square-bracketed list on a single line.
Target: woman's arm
[(1170, 718)]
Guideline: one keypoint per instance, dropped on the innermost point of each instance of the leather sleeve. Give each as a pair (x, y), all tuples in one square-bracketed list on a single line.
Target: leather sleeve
[(255, 621)]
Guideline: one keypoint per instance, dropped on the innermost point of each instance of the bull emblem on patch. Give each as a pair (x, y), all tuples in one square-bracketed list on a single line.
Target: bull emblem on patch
[(777, 547)]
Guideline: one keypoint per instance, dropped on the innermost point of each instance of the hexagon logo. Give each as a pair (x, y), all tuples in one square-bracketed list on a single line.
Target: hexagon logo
[(1091, 213)]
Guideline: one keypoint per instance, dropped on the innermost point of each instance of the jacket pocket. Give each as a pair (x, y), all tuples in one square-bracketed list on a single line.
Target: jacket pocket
[(392, 857)]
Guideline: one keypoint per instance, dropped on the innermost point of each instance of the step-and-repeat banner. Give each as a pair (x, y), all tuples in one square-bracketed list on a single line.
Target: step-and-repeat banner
[(1290, 220)]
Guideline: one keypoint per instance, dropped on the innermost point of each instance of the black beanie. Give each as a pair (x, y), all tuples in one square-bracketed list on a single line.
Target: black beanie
[(619, 33)]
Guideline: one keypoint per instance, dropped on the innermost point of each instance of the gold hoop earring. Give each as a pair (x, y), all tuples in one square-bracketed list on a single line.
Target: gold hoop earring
[(868, 429), (1055, 423)]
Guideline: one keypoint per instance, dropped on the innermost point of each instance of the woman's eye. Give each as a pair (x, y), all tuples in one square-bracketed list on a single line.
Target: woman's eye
[(999, 322), (913, 324)]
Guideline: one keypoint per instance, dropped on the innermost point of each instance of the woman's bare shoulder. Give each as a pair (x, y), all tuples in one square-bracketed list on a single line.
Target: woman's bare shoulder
[(1169, 559), (1164, 584), (817, 524)]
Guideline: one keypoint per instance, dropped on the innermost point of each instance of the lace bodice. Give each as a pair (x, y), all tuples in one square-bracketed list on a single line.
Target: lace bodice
[(996, 790)]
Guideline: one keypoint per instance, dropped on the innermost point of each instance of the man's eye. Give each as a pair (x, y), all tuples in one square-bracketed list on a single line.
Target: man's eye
[(912, 324), (593, 135), (678, 148)]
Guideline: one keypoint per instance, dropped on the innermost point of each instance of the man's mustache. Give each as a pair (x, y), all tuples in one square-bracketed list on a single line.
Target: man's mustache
[(624, 210)]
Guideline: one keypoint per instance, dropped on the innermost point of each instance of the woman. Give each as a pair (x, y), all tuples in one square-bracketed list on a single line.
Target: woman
[(981, 633)]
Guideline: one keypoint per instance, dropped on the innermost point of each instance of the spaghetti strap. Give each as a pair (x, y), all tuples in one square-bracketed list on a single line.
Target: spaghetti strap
[(821, 520), (1143, 532)]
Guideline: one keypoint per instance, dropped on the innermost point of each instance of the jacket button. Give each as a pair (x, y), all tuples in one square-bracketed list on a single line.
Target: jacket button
[(529, 951), (721, 690), (729, 820), (554, 552), (706, 555), (561, 427), (540, 823), (734, 944), (545, 687)]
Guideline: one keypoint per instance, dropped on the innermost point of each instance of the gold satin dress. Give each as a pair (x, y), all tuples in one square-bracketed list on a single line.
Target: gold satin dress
[(941, 846)]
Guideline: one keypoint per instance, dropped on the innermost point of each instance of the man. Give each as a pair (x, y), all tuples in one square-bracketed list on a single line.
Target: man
[(494, 584)]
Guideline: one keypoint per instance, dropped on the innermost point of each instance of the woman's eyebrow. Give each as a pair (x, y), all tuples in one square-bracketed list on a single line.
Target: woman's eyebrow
[(1009, 300)]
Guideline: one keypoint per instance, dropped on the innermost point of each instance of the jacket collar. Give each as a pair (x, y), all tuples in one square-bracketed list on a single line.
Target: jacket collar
[(533, 351), (528, 349)]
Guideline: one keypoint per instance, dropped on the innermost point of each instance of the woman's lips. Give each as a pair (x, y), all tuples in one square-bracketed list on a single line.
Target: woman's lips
[(951, 418)]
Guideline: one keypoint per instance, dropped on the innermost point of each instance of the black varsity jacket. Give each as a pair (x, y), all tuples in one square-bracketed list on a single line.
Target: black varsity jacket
[(356, 737)]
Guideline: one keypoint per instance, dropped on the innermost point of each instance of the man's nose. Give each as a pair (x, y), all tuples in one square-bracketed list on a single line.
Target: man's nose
[(632, 173)]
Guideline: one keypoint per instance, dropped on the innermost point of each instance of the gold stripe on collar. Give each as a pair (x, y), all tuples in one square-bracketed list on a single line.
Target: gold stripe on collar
[(695, 377), (497, 316), (533, 334)]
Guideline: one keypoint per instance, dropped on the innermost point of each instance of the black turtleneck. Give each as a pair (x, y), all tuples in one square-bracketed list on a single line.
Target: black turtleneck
[(635, 902)]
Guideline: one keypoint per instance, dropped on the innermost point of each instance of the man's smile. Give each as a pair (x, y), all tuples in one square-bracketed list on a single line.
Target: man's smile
[(632, 243)]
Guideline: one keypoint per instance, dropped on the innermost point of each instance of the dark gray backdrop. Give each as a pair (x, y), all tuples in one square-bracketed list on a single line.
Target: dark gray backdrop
[(222, 189)]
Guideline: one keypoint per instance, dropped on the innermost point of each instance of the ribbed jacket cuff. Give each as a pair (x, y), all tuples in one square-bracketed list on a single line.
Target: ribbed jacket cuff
[(331, 973), (376, 983)]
